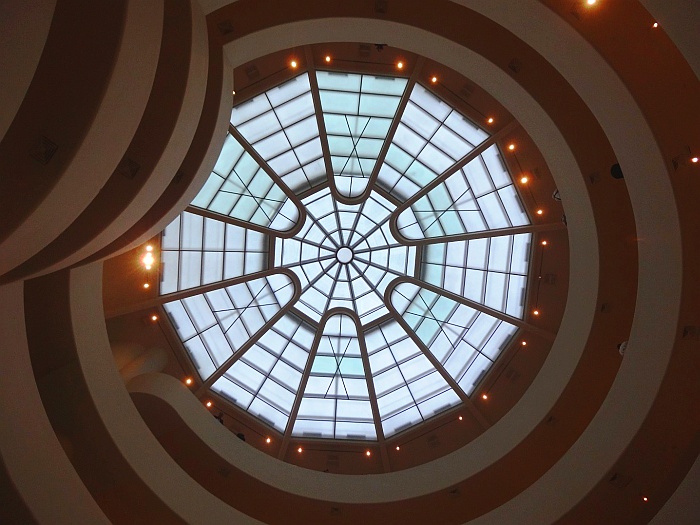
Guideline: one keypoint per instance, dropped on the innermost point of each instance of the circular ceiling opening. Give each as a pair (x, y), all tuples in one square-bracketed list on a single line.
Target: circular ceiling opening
[(356, 262)]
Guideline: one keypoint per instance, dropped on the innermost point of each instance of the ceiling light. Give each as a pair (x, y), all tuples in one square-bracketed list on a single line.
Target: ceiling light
[(524, 180), (399, 65), (368, 453), (460, 418), (540, 212), (299, 450), (328, 58), (535, 312), (544, 243), (591, 2), (233, 92), (398, 447), (149, 248), (294, 64), (209, 404), (645, 498), (694, 160), (146, 285), (433, 80), (511, 147), (490, 120), (154, 318), (188, 381), (655, 25), (484, 396), (524, 343), (268, 441)]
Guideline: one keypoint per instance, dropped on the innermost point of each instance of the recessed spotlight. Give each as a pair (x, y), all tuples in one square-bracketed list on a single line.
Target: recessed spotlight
[(460, 418), (299, 450), (209, 404), (146, 285), (655, 25), (544, 243), (511, 147), (591, 2), (535, 312), (148, 267), (524, 343), (268, 441), (540, 212), (154, 318), (149, 248), (694, 160), (490, 120), (188, 381), (399, 65), (233, 92), (294, 64), (368, 453), (645, 498), (484, 396), (523, 180), (398, 447), (433, 80)]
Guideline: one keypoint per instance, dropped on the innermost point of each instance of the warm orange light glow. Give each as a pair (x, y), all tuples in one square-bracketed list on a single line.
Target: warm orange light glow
[(694, 160), (146, 285), (148, 267), (299, 450), (484, 396), (511, 147), (524, 343), (535, 312), (398, 447), (328, 58), (399, 65), (655, 25), (188, 381), (433, 80), (209, 404), (540, 212), (268, 441), (149, 248), (591, 2), (524, 180), (294, 64), (368, 453), (544, 243), (154, 317), (460, 418), (490, 120)]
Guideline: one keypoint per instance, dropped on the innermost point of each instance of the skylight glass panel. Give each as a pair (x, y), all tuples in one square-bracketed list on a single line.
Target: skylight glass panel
[(431, 137), (214, 325), (345, 256), (281, 125), (196, 250), (409, 389), (265, 379), (464, 340), (491, 271), (357, 114), (335, 403), (238, 187)]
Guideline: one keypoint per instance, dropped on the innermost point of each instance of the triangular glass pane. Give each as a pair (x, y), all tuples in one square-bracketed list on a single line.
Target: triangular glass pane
[(409, 388), (214, 325), (281, 125), (464, 340), (491, 271), (357, 113), (238, 187), (431, 137), (265, 379), (336, 402), (197, 250), (479, 197)]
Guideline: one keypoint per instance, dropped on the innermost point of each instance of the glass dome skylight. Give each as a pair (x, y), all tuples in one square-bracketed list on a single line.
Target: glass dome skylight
[(356, 261)]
